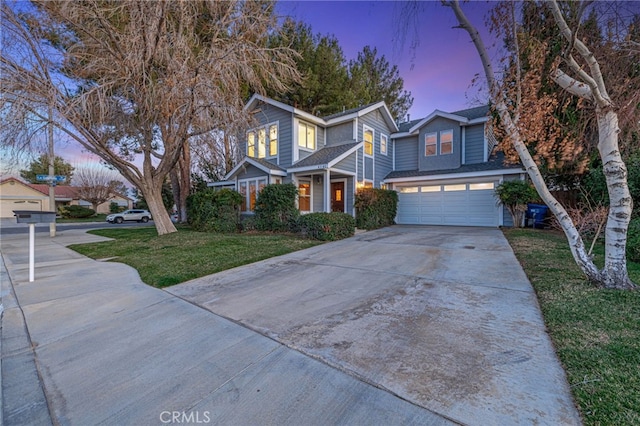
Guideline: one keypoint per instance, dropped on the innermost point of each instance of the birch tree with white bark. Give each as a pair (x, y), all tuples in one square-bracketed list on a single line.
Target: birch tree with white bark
[(578, 73)]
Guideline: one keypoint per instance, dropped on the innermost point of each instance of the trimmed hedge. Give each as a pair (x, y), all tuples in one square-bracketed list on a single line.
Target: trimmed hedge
[(375, 208), (76, 212), (213, 210), (276, 209), (327, 226)]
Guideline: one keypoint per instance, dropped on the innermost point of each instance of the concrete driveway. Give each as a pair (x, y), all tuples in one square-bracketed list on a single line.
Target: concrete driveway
[(443, 317)]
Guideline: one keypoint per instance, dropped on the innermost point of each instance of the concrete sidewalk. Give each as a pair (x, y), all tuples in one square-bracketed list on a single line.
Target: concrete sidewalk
[(88, 343)]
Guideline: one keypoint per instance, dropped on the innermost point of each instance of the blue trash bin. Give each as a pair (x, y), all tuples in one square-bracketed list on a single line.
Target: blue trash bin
[(537, 212)]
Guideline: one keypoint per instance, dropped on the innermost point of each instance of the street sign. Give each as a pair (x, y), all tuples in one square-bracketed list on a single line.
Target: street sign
[(48, 178)]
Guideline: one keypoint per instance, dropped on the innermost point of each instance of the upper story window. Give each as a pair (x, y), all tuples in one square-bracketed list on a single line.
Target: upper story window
[(446, 142), (430, 144), (263, 141), (368, 141), (306, 135), (384, 142)]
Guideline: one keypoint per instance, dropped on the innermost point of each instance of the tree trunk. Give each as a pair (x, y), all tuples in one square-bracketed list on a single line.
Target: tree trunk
[(614, 273), (153, 196)]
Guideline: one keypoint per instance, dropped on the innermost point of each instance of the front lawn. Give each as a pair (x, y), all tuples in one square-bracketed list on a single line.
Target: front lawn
[(181, 256), (596, 332)]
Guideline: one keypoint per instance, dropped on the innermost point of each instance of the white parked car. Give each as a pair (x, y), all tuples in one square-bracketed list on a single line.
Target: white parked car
[(130, 215)]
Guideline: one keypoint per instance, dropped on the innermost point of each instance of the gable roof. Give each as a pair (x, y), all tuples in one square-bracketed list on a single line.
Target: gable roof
[(467, 116), (262, 164), (329, 119), (62, 192), (326, 157)]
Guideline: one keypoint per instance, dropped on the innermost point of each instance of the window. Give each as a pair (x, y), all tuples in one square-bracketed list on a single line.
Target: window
[(460, 187), (435, 188), (304, 196), (383, 144), (249, 189), (273, 140), (306, 135), (262, 143), (368, 141), (409, 190), (251, 144), (446, 142), (430, 143), (480, 186)]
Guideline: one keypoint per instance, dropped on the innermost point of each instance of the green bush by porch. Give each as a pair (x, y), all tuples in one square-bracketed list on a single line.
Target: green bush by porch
[(276, 209), (375, 208), (327, 226)]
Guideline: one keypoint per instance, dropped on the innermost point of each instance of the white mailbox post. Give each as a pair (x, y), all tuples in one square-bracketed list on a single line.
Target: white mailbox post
[(33, 217)]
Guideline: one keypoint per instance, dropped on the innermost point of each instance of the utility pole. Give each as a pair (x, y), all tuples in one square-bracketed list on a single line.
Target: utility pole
[(52, 183)]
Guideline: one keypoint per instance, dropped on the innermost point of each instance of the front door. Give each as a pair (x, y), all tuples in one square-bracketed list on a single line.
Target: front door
[(337, 196)]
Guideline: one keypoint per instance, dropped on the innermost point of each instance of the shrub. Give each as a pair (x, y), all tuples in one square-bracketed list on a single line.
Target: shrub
[(213, 210), (633, 240), (76, 212), (115, 208), (276, 209), (515, 194), (375, 208), (327, 226)]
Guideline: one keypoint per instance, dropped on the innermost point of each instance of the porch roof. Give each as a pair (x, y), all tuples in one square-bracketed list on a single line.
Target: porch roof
[(264, 165), (326, 157)]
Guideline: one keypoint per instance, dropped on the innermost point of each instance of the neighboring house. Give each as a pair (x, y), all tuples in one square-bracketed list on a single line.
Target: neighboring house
[(17, 195), (442, 166)]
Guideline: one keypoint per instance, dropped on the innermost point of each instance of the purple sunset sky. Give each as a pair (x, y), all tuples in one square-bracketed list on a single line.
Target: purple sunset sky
[(438, 73)]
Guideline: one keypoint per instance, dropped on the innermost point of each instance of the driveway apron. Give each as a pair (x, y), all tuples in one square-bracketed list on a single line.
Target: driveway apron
[(443, 317)]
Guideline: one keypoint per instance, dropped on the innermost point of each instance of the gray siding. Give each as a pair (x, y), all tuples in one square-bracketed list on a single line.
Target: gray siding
[(269, 114), (340, 133), (440, 162), (406, 153), (251, 172), (320, 140), (317, 194), (348, 164), (383, 163), (474, 144)]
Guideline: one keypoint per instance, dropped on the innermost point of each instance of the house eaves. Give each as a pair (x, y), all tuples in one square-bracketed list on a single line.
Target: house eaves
[(263, 165), (259, 98), (437, 113), (340, 118), (454, 175)]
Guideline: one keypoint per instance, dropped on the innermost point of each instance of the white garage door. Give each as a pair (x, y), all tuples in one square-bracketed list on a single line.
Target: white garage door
[(468, 204), (8, 206)]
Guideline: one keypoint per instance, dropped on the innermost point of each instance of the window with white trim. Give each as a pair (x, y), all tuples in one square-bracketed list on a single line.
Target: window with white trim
[(304, 196), (446, 142), (430, 144), (249, 189), (368, 141), (384, 141), (262, 142), (306, 135)]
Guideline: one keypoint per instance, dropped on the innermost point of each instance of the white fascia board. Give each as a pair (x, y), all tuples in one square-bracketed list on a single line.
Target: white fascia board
[(477, 121), (222, 183), (448, 176), (235, 169), (345, 155), (387, 115), (401, 135), (255, 164), (308, 168), (283, 106), (438, 113), (344, 172)]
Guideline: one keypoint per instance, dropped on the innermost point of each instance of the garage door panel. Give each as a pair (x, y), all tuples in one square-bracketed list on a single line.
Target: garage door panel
[(449, 204)]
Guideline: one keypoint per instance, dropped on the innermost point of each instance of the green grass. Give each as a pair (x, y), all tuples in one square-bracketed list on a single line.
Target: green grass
[(184, 255), (596, 332)]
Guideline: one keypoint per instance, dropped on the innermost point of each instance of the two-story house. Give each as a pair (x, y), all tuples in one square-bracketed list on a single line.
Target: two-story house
[(442, 165)]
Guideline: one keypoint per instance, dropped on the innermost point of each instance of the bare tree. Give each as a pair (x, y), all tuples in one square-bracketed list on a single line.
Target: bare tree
[(95, 185), (133, 79), (587, 82)]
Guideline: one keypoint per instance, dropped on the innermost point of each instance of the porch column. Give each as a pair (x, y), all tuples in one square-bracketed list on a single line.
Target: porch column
[(327, 191)]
